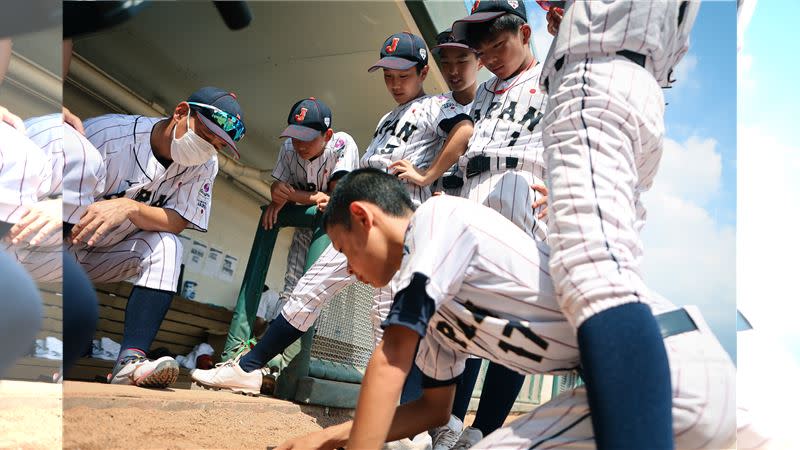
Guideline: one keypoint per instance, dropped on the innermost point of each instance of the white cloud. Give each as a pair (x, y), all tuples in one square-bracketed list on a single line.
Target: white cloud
[(691, 170), (684, 69), (689, 257)]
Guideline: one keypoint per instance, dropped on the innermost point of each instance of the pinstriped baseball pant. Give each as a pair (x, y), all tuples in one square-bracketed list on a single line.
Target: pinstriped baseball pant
[(603, 137), (153, 257)]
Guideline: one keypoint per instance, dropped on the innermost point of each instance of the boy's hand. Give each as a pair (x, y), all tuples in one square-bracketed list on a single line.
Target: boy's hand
[(554, 16), (542, 201), (271, 214), (409, 172), (280, 191), (41, 221), (321, 199), (315, 441), (73, 120), (102, 217), (11, 119)]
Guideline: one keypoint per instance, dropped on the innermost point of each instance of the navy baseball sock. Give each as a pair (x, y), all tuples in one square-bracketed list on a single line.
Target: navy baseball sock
[(465, 387), (280, 334), (500, 389), (412, 389), (80, 311), (627, 377), (144, 313)]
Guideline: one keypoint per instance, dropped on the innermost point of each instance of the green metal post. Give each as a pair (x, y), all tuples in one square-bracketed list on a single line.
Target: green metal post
[(256, 272)]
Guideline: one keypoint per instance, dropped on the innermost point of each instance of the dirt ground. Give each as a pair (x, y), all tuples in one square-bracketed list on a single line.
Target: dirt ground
[(101, 416), (98, 416), (30, 415)]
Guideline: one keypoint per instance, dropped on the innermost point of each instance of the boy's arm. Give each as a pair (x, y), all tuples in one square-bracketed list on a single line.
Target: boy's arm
[(377, 419), (454, 147)]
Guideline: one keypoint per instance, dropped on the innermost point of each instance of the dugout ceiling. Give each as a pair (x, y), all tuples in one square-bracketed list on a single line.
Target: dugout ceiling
[(290, 50)]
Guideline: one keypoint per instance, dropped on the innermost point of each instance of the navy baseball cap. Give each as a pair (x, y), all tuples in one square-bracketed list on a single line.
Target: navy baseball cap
[(220, 112), (308, 118), (445, 39), (402, 51), (486, 10)]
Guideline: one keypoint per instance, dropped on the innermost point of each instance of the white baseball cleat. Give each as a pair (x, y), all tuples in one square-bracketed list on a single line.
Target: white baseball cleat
[(469, 437), (446, 436), (230, 377), (139, 371)]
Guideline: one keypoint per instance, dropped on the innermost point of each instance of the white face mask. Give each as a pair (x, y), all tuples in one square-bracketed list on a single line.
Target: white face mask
[(191, 149)]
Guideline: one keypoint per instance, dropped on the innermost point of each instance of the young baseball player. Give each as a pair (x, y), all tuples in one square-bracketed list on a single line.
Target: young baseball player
[(469, 281), (159, 178), (460, 66), (603, 136), (310, 155), (415, 130)]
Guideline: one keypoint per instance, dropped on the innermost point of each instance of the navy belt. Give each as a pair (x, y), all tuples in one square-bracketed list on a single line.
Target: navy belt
[(675, 322), (637, 58), (479, 164), (452, 182)]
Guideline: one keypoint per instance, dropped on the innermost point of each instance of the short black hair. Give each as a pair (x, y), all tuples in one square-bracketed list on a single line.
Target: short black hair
[(368, 185), (420, 66), (478, 33), (338, 175)]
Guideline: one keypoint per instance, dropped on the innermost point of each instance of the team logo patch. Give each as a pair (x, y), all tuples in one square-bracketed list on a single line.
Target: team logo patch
[(339, 144), (302, 116), (423, 53), (392, 46), (475, 6), (327, 121), (514, 3)]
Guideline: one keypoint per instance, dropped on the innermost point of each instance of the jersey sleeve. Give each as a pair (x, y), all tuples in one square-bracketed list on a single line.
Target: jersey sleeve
[(47, 133), (445, 113), (346, 152), (438, 251), (23, 169), (193, 198), (84, 174), (281, 171)]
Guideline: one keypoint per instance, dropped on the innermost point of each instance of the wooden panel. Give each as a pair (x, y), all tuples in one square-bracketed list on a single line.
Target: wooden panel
[(176, 316), (52, 312), (33, 369), (49, 287), (179, 303), (50, 298), (172, 347), (52, 326)]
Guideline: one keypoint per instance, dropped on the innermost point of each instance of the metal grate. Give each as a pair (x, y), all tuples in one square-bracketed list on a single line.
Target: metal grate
[(344, 328)]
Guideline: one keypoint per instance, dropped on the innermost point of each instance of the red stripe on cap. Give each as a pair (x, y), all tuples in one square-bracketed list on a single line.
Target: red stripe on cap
[(233, 95)]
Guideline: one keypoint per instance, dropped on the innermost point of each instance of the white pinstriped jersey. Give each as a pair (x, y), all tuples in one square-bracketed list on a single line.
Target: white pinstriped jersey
[(84, 174), (340, 153), (659, 29), (414, 131), (507, 116), (460, 109), (46, 132), (25, 173), (491, 288), (133, 171)]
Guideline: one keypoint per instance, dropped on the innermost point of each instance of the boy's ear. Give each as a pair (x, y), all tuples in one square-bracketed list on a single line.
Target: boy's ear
[(328, 134), (361, 215), (181, 110), (526, 33), (424, 73)]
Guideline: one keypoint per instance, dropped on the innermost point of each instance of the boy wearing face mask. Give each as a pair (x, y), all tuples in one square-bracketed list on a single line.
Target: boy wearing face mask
[(159, 176)]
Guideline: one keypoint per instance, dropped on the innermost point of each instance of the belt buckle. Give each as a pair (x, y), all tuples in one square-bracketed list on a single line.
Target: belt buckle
[(476, 166)]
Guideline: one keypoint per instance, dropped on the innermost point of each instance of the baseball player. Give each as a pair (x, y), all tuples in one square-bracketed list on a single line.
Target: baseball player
[(159, 177), (469, 281), (603, 136), (310, 155), (460, 66), (415, 131)]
